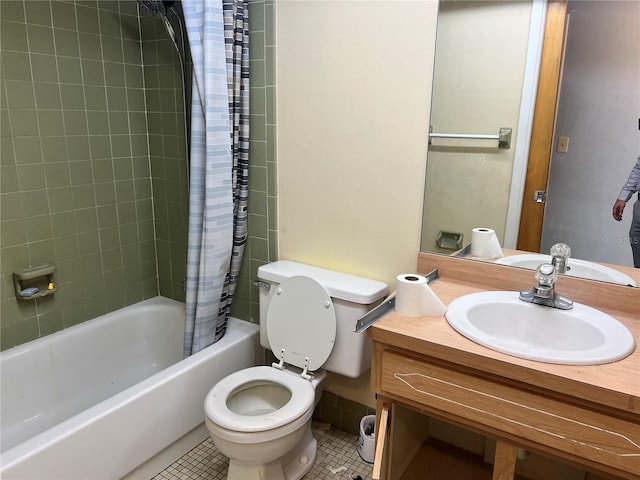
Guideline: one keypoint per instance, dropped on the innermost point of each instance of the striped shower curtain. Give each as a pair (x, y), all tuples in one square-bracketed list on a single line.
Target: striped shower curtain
[(218, 35)]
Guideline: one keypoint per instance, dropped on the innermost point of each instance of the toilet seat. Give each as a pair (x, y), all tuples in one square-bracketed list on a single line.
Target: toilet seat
[(217, 409)]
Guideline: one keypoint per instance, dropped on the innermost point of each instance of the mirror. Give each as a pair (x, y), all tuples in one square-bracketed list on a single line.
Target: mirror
[(485, 78)]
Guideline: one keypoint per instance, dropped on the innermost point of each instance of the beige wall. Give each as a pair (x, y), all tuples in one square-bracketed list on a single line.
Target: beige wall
[(354, 89)]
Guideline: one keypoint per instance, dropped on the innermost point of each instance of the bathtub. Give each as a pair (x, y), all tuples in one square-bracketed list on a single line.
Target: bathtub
[(100, 399)]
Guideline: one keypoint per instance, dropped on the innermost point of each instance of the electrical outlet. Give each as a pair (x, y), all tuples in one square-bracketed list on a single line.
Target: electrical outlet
[(563, 144)]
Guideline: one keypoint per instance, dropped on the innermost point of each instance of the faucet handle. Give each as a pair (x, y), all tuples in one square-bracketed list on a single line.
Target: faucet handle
[(546, 275), (560, 250)]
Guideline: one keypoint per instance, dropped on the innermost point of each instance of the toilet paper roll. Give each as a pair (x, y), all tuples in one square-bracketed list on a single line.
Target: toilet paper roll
[(414, 297), (484, 243)]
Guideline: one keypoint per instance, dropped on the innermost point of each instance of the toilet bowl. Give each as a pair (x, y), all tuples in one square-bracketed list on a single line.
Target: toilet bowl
[(260, 417)]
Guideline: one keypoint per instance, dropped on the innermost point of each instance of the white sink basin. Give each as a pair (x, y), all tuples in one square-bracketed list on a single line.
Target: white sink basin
[(503, 322), (579, 268)]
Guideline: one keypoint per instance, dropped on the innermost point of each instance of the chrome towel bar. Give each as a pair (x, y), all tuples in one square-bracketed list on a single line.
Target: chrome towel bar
[(503, 138)]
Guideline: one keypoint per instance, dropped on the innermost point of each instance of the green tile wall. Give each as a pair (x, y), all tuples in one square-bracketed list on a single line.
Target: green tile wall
[(262, 245), (167, 148), (340, 412), (76, 185), (92, 157)]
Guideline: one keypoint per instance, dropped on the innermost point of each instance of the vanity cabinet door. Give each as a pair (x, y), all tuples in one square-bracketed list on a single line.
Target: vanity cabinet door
[(400, 432), (382, 422)]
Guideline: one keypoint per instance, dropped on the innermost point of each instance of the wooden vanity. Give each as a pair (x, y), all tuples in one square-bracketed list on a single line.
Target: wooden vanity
[(585, 415)]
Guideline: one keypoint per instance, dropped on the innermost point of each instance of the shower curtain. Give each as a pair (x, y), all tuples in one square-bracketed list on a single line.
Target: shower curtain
[(219, 45)]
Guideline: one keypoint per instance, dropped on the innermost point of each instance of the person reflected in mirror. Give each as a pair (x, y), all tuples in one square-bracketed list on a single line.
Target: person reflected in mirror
[(631, 186)]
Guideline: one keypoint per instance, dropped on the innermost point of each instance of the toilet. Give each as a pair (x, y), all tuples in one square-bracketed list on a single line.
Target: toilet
[(260, 417)]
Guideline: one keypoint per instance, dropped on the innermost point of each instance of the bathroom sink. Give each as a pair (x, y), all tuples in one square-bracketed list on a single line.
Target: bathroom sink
[(578, 268), (502, 322)]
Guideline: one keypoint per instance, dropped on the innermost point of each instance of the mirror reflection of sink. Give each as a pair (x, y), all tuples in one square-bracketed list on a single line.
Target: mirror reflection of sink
[(579, 268), (502, 322)]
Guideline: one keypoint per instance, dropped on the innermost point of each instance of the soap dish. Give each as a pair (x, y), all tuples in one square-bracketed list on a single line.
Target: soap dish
[(35, 282)]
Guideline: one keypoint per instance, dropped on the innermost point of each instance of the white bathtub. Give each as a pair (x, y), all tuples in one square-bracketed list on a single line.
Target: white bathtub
[(98, 400)]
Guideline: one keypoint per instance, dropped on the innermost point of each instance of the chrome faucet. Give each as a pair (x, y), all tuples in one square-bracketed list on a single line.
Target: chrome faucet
[(560, 254), (544, 293)]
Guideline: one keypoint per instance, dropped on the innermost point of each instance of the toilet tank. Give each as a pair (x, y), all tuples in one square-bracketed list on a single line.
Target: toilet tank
[(352, 297)]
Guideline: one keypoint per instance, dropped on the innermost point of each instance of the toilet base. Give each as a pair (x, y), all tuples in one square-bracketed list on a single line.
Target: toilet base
[(292, 466)]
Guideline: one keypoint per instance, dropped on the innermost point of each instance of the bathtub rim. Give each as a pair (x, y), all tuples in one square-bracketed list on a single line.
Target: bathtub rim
[(25, 347)]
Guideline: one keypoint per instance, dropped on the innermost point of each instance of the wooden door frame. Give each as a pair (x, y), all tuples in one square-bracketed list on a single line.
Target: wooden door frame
[(532, 213)]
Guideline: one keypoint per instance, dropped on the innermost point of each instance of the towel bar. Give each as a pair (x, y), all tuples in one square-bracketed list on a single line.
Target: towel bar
[(503, 138)]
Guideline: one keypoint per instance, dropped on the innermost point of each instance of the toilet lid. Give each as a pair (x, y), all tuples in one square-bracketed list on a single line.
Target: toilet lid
[(301, 320)]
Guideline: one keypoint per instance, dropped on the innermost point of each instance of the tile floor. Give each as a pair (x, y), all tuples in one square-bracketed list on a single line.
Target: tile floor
[(337, 459)]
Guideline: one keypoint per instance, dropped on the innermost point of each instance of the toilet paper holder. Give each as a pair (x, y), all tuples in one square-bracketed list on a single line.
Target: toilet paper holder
[(375, 314), (449, 240)]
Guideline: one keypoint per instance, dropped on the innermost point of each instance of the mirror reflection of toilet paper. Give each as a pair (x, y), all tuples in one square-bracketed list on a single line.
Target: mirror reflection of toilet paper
[(485, 244), (414, 297)]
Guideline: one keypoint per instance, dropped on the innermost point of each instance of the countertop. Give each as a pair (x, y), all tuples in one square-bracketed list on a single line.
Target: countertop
[(614, 387)]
